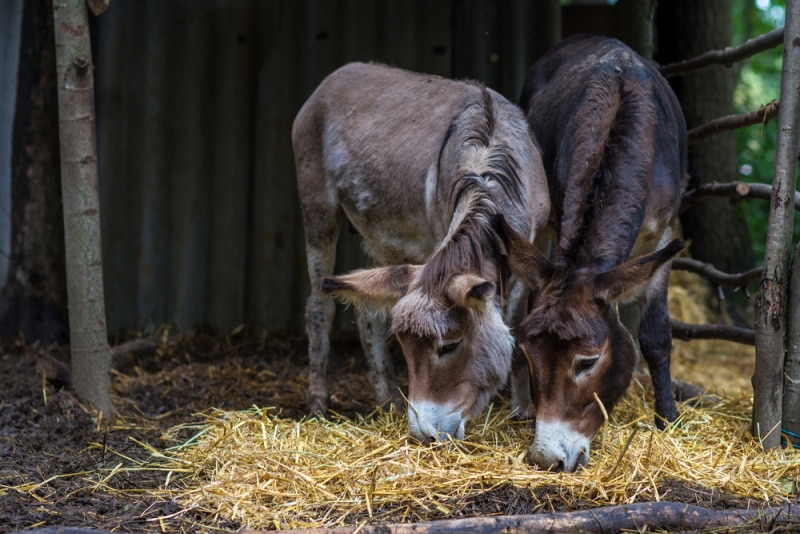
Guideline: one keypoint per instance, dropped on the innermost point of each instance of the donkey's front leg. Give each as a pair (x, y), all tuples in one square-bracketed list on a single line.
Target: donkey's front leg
[(373, 329), (522, 407)]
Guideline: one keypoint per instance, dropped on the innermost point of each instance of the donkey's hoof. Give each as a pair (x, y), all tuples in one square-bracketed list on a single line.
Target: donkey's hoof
[(318, 407), (663, 421), (523, 412)]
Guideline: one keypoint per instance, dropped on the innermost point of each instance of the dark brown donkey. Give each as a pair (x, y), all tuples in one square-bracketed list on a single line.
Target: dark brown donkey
[(613, 142), (419, 165)]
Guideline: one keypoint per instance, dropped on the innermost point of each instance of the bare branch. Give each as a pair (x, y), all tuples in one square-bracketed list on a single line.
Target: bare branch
[(735, 191), (687, 332), (734, 122), (728, 56), (716, 276)]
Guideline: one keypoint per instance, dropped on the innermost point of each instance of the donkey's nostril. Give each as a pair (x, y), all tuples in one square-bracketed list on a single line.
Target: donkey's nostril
[(558, 466), (424, 440)]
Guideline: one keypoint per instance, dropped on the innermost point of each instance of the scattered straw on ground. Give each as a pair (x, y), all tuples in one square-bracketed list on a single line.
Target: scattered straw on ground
[(265, 471), (269, 472)]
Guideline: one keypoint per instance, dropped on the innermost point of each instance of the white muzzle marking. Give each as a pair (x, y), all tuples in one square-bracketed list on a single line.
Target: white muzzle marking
[(557, 446), (429, 421)]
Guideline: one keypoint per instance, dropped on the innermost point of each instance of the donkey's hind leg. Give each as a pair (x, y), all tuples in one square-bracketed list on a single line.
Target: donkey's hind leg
[(320, 310), (373, 330)]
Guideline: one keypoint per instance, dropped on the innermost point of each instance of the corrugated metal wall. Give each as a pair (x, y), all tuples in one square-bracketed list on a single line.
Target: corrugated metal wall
[(195, 101)]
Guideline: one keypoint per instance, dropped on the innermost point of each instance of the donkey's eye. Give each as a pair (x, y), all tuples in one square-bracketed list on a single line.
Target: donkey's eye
[(448, 347), (584, 363)]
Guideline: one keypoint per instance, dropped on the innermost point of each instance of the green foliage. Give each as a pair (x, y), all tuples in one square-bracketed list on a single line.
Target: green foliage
[(758, 83)]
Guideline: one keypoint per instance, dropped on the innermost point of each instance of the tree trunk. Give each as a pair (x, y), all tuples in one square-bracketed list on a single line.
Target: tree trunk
[(33, 299), (791, 377), (634, 25), (688, 28), (771, 300), (91, 357)]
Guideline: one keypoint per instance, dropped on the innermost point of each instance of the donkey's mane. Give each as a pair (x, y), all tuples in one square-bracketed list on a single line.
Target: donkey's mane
[(551, 316), (469, 247), (486, 163)]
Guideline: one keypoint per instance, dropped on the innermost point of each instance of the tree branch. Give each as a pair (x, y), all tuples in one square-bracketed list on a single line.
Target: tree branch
[(687, 332), (728, 56), (638, 516), (735, 191), (714, 275), (734, 122)]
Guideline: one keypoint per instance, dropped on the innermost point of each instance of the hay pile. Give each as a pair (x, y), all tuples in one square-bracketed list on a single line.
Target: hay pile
[(271, 472)]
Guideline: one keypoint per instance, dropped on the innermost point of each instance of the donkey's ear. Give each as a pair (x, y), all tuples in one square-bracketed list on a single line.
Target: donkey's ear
[(470, 290), (524, 259), (378, 289), (626, 281)]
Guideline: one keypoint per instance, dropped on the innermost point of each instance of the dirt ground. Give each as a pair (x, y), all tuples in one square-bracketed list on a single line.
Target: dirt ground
[(54, 455)]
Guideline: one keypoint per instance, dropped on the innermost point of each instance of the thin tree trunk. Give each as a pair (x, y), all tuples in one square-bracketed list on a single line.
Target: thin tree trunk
[(91, 357), (770, 316), (791, 376)]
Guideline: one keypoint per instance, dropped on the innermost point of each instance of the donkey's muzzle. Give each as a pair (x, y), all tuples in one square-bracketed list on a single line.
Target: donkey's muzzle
[(429, 422)]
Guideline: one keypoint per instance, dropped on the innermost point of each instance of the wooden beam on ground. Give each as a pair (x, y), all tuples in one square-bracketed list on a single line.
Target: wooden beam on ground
[(638, 517)]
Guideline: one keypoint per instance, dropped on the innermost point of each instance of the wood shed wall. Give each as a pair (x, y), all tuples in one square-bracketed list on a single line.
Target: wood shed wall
[(195, 101)]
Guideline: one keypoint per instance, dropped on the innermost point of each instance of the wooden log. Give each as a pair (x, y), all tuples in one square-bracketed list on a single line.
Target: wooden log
[(54, 371), (639, 517)]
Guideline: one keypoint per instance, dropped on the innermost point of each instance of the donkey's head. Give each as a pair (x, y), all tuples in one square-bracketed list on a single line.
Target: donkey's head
[(581, 357), (456, 345)]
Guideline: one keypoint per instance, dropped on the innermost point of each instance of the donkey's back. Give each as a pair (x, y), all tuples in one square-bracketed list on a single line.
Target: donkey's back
[(371, 140), (603, 114)]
